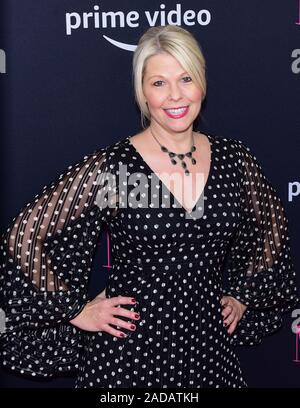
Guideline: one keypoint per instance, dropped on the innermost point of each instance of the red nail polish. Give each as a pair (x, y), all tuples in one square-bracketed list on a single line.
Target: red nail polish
[(122, 335), (137, 316), (133, 300), (132, 327)]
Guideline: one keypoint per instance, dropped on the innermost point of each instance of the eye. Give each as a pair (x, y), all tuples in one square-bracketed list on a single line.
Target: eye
[(156, 82), (187, 77)]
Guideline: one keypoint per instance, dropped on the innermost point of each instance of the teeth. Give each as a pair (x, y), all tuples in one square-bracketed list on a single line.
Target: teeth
[(176, 111)]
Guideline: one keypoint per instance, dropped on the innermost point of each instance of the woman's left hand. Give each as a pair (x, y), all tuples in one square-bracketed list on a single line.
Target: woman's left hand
[(232, 312)]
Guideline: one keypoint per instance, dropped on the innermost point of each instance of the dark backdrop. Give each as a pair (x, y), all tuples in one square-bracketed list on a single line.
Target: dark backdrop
[(63, 96)]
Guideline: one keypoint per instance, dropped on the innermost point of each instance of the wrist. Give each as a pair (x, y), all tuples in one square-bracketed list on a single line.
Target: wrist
[(78, 315)]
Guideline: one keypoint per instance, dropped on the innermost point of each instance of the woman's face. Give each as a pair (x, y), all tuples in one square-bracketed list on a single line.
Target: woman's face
[(166, 87)]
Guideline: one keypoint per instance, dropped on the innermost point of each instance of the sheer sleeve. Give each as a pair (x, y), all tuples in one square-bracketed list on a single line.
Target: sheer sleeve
[(260, 268), (47, 252)]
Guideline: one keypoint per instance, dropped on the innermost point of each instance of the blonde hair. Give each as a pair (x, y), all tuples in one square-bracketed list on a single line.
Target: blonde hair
[(179, 43)]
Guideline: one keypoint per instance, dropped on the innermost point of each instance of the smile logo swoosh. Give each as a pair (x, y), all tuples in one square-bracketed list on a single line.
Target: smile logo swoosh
[(123, 46)]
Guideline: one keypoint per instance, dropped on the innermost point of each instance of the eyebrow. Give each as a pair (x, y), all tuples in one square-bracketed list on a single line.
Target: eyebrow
[(161, 76)]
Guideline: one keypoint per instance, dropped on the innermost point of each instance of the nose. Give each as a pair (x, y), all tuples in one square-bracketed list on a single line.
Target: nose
[(175, 92)]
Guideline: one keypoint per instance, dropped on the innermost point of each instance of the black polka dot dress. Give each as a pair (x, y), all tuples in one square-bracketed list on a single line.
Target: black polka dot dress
[(177, 264)]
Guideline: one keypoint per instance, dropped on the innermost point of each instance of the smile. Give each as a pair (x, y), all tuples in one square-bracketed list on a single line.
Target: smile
[(177, 113)]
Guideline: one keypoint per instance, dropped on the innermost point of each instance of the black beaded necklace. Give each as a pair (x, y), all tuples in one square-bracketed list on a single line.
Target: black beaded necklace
[(179, 155)]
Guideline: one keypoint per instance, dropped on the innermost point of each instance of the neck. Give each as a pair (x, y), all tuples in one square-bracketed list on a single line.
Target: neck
[(174, 141)]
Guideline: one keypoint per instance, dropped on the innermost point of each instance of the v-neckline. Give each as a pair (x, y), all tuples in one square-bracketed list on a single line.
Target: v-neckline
[(212, 155)]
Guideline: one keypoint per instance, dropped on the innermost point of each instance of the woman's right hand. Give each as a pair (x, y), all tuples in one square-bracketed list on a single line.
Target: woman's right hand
[(100, 313)]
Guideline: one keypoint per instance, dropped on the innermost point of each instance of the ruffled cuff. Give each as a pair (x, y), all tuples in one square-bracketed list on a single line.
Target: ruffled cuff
[(44, 352), (258, 321), (38, 339), (255, 324)]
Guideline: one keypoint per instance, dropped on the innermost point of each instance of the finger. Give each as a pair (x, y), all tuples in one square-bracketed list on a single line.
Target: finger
[(121, 323), (121, 311), (224, 300), (230, 318), (228, 300), (226, 311), (121, 300), (110, 330), (232, 326)]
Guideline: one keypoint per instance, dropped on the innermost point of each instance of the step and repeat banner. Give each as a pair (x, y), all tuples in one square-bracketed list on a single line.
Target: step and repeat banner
[(66, 90)]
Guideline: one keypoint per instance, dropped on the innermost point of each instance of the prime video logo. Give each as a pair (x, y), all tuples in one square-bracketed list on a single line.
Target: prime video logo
[(97, 19)]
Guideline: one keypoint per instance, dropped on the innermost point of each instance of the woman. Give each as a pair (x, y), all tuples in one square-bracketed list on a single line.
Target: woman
[(165, 318)]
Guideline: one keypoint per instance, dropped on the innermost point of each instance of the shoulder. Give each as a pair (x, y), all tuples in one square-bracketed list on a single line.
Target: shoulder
[(235, 148), (239, 155), (108, 155), (231, 143)]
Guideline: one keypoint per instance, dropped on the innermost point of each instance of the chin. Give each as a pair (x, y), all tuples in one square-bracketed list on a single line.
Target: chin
[(180, 128)]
